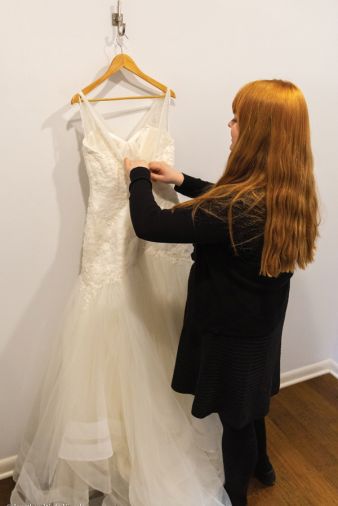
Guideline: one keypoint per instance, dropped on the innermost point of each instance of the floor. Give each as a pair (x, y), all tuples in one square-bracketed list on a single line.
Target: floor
[(302, 440)]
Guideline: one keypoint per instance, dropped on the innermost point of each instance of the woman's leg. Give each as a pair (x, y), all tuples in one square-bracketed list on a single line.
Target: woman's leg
[(240, 455), (263, 459), (264, 470)]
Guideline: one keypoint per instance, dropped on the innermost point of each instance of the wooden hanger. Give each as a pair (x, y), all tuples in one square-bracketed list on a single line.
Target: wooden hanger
[(122, 61)]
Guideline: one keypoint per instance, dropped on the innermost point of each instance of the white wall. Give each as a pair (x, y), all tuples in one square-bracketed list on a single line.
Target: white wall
[(205, 52)]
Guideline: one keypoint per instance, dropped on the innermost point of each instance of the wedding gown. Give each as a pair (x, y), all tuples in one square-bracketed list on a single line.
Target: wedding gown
[(105, 418)]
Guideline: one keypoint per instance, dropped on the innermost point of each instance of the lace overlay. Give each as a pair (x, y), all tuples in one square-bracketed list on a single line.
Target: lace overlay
[(110, 245)]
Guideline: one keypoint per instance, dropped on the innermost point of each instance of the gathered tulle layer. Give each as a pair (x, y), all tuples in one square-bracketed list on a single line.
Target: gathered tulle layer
[(105, 418)]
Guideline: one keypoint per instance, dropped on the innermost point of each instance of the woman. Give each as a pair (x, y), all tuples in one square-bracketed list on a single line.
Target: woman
[(250, 230)]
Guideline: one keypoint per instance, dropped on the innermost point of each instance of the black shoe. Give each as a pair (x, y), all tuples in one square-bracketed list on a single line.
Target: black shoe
[(265, 473)]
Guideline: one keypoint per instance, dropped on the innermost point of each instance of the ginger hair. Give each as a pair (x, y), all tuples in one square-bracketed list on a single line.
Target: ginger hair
[(270, 168)]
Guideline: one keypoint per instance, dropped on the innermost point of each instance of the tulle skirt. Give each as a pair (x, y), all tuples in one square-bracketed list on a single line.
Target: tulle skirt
[(105, 418)]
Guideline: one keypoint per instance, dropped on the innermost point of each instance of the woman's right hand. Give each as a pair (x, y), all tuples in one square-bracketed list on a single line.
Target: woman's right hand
[(161, 171)]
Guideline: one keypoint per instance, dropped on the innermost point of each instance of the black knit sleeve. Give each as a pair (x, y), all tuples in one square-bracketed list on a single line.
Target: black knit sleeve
[(192, 186), (154, 224)]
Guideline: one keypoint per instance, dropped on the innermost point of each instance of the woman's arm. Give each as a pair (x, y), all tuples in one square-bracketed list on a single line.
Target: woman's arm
[(192, 186), (154, 224)]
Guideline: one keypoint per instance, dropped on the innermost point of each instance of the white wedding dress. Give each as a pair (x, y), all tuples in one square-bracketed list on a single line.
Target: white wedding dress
[(105, 418)]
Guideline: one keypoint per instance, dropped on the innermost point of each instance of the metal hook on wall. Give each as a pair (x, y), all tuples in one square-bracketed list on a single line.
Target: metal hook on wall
[(117, 20)]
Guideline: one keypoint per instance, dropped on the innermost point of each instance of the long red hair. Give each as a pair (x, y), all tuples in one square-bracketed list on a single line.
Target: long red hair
[(271, 168)]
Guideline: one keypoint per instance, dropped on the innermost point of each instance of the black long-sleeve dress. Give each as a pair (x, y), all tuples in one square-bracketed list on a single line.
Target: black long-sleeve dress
[(230, 344)]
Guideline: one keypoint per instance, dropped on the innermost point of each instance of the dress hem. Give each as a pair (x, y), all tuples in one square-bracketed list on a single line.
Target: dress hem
[(201, 415)]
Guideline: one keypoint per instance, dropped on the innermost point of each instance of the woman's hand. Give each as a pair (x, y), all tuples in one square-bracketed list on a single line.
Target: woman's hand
[(161, 171), (131, 164)]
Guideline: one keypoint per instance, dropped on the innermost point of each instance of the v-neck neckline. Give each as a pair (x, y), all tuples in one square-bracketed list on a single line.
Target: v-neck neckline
[(135, 131)]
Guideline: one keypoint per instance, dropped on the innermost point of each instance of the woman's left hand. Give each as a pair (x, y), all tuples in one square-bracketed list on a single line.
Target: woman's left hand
[(131, 164)]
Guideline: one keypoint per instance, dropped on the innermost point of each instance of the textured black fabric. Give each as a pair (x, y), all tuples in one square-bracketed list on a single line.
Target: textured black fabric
[(240, 453), (260, 430), (229, 350), (192, 186), (161, 225)]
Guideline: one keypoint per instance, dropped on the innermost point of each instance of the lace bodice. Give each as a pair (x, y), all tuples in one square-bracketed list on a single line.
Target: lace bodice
[(110, 244)]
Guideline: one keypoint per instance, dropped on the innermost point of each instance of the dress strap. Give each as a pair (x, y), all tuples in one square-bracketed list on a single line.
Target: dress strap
[(90, 119), (156, 116), (164, 112)]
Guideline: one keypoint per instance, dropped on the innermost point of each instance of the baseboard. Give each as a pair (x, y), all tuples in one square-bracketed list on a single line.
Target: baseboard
[(6, 467), (307, 372), (287, 378)]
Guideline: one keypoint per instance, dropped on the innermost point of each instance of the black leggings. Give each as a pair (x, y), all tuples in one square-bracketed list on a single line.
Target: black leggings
[(243, 449)]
